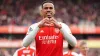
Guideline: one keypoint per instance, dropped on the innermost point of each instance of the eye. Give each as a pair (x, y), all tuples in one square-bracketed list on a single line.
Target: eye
[(50, 7), (45, 7)]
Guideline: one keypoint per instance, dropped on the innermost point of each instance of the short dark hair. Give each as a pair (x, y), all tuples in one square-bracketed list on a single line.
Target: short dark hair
[(70, 47), (47, 1)]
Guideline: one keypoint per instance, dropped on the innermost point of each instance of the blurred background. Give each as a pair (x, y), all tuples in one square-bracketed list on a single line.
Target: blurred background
[(82, 16)]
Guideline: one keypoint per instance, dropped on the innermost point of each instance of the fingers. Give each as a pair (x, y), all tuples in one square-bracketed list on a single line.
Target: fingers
[(49, 22), (46, 20), (54, 21), (42, 22)]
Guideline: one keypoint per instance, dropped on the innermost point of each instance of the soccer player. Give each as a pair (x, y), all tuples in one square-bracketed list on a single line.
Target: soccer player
[(49, 33), (25, 51), (83, 48), (70, 51)]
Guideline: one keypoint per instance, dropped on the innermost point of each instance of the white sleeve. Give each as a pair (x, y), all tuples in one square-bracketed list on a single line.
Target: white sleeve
[(68, 35), (15, 54), (33, 29)]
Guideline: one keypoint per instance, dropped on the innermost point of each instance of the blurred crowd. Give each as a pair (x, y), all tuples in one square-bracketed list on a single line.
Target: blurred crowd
[(10, 51), (7, 51), (26, 12)]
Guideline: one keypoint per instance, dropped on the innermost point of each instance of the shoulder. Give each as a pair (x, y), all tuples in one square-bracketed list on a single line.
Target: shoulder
[(65, 26), (30, 29), (62, 23), (33, 25)]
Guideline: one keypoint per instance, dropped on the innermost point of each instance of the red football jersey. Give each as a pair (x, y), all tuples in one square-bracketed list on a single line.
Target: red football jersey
[(30, 51), (48, 39), (70, 53), (49, 42)]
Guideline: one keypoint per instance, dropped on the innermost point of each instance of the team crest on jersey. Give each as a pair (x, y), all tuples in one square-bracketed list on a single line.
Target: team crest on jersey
[(56, 30)]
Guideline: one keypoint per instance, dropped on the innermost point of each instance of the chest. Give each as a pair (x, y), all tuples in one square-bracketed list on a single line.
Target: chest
[(49, 31), (49, 35)]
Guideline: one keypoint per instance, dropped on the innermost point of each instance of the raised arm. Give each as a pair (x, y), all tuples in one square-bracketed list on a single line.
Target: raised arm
[(33, 29), (68, 35), (30, 36)]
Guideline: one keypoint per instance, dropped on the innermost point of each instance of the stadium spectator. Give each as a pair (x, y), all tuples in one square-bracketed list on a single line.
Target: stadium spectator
[(25, 51), (70, 51), (83, 48)]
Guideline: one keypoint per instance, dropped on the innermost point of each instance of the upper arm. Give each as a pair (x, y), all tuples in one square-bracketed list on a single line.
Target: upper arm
[(31, 34), (66, 27), (30, 29), (68, 35)]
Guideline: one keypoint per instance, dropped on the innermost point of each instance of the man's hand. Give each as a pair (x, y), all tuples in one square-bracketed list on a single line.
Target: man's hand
[(49, 22), (56, 24), (44, 22)]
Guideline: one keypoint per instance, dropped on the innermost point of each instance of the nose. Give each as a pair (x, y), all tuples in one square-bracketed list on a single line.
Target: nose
[(48, 10), (86, 48)]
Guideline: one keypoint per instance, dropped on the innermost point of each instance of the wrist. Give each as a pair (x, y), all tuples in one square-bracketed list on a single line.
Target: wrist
[(39, 24), (59, 26)]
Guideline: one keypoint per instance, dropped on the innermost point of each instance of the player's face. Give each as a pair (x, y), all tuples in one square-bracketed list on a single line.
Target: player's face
[(48, 10), (84, 49)]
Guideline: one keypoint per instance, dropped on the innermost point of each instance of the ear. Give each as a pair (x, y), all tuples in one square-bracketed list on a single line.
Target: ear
[(54, 11), (41, 12)]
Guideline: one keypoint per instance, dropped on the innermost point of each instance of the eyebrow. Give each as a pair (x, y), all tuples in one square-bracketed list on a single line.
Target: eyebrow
[(48, 7)]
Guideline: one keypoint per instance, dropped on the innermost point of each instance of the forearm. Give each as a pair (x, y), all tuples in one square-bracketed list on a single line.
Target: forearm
[(68, 36), (30, 37)]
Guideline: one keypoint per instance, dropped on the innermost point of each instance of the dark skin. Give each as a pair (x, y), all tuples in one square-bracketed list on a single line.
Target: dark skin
[(48, 12)]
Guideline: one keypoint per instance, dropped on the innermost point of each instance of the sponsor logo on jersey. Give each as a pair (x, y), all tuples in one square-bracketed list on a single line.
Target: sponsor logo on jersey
[(48, 39)]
